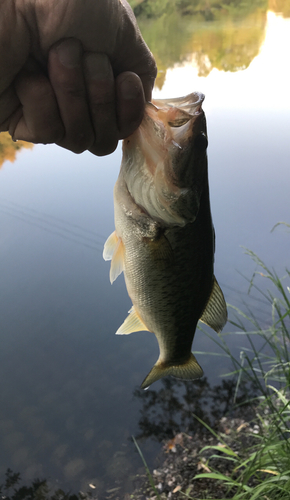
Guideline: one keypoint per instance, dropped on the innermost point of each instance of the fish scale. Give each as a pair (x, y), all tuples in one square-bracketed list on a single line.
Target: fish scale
[(164, 237)]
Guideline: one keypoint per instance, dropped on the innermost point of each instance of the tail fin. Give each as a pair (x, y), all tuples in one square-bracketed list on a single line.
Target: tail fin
[(190, 370)]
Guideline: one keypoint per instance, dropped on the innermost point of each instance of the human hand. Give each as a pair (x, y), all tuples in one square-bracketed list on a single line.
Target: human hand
[(82, 80)]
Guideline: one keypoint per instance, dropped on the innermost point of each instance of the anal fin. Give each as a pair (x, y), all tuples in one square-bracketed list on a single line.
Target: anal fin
[(133, 323)]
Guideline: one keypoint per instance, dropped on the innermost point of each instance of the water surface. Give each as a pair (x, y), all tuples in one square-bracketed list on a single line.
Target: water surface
[(69, 398)]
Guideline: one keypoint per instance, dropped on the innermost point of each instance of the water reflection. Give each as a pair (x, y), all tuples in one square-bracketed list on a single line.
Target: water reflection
[(281, 7), (51, 224), (169, 410), (11, 489), (163, 414), (226, 42)]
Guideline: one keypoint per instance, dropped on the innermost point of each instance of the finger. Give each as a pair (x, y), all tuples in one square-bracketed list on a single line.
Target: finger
[(149, 77), (130, 103), (131, 52), (9, 103), (66, 76), (101, 94), (39, 121)]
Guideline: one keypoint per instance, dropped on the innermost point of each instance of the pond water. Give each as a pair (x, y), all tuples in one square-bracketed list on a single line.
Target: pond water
[(70, 398)]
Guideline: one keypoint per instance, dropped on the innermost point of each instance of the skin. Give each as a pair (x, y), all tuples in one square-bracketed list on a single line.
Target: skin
[(73, 72)]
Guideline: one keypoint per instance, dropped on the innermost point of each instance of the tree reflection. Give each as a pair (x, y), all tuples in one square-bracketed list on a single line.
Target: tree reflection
[(38, 489), (280, 7), (229, 45), (170, 410), (226, 35), (208, 9), (9, 148)]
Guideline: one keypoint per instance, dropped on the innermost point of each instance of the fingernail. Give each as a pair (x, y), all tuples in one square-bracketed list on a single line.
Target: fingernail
[(98, 66), (130, 89), (69, 53)]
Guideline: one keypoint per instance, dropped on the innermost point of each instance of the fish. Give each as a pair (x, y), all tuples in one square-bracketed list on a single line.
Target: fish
[(164, 239)]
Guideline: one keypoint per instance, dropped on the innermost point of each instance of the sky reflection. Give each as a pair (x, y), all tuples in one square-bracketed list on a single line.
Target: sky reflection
[(264, 83), (66, 402)]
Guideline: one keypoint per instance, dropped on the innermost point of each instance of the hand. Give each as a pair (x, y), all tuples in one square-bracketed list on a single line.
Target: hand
[(77, 73)]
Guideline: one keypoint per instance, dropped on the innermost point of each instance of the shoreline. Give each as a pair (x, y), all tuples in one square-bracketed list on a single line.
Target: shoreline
[(182, 459)]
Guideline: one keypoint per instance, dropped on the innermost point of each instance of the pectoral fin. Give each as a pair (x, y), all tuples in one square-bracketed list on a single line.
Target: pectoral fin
[(190, 370), (110, 246), (161, 251), (133, 323), (114, 250), (215, 313)]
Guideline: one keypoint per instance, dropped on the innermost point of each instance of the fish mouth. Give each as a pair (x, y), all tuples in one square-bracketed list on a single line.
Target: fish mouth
[(163, 149), (190, 103), (181, 116)]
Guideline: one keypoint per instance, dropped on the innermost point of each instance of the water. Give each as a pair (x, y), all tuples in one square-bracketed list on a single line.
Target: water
[(69, 398)]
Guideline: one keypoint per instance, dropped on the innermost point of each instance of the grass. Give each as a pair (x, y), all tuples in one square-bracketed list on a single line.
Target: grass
[(150, 478), (261, 469)]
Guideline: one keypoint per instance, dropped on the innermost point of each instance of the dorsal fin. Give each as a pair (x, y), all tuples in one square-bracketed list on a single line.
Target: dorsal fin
[(215, 312), (133, 323)]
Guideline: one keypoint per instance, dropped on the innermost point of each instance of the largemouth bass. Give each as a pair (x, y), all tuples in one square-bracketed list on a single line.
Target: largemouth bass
[(164, 238)]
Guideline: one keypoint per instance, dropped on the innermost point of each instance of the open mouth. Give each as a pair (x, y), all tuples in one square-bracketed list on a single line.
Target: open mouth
[(190, 103), (179, 114)]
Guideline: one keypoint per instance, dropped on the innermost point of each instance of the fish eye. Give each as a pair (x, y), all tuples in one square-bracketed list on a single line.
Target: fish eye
[(201, 141)]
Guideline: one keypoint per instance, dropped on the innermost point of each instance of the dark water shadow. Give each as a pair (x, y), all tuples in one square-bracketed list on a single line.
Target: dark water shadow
[(164, 413), (171, 409)]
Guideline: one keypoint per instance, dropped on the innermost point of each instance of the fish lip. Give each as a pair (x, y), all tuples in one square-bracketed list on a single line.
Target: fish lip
[(191, 103)]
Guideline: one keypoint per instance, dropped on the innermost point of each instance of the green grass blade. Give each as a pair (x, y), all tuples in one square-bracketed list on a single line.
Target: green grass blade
[(150, 478)]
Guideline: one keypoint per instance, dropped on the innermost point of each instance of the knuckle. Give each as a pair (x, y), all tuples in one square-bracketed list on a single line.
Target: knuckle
[(39, 88), (102, 97), (72, 90), (154, 69), (71, 86)]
